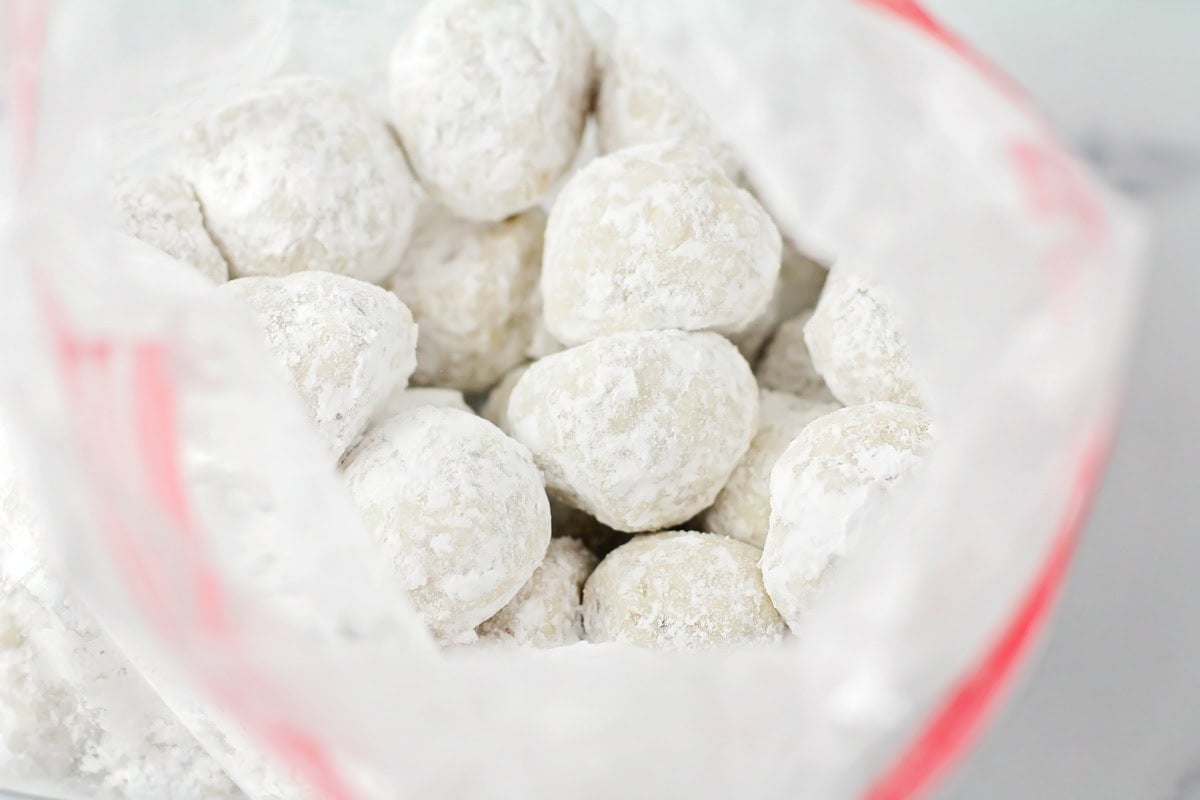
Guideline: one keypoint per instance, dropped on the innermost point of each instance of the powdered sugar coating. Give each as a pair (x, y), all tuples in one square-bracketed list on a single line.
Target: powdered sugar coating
[(786, 365), (548, 610), (642, 429), (495, 408), (655, 237), (402, 400), (162, 211), (855, 345), (640, 103), (459, 509), (471, 289), (489, 98), (302, 175), (743, 508), (74, 712), (680, 590), (840, 465), (346, 344)]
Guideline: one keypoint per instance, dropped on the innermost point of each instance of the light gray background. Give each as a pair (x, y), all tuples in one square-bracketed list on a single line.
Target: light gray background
[(1111, 707)]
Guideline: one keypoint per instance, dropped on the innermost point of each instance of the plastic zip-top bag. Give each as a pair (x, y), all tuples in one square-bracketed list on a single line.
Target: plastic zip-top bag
[(227, 624)]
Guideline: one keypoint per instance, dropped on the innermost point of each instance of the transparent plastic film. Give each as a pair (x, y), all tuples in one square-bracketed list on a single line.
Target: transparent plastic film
[(203, 527)]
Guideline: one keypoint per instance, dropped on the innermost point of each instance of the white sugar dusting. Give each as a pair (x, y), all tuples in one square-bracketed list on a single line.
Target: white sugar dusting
[(489, 98), (656, 237), (162, 211), (345, 344), (471, 288), (548, 610), (459, 510), (743, 508), (855, 345), (786, 365), (841, 466), (680, 590), (641, 430), (301, 175)]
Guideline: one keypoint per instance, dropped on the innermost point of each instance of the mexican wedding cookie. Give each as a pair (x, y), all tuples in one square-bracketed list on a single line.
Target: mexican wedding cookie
[(641, 430), (841, 467), (345, 344), (547, 612), (459, 510), (787, 366), (489, 98), (302, 175), (656, 237), (743, 508), (680, 590), (471, 288), (162, 211), (639, 103), (855, 345)]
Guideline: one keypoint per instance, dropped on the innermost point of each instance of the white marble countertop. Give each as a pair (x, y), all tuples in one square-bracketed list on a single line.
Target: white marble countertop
[(1110, 708)]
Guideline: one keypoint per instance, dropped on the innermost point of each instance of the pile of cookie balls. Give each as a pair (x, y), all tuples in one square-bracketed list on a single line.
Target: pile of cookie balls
[(680, 418)]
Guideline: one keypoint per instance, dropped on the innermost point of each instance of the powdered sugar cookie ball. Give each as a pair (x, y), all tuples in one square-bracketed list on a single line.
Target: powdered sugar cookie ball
[(656, 237), (855, 345), (346, 344), (489, 98), (458, 508), (402, 400), (471, 289), (680, 590), (743, 508), (162, 211), (547, 611), (641, 430), (640, 103), (787, 366), (302, 175), (495, 408), (840, 465)]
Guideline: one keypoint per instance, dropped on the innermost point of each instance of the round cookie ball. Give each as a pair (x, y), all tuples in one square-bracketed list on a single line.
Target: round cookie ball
[(547, 611), (641, 430), (656, 237), (489, 98), (855, 344), (743, 508), (640, 103), (458, 508), (786, 365), (841, 464), (345, 344), (680, 590), (302, 175), (162, 211), (495, 408), (471, 287)]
